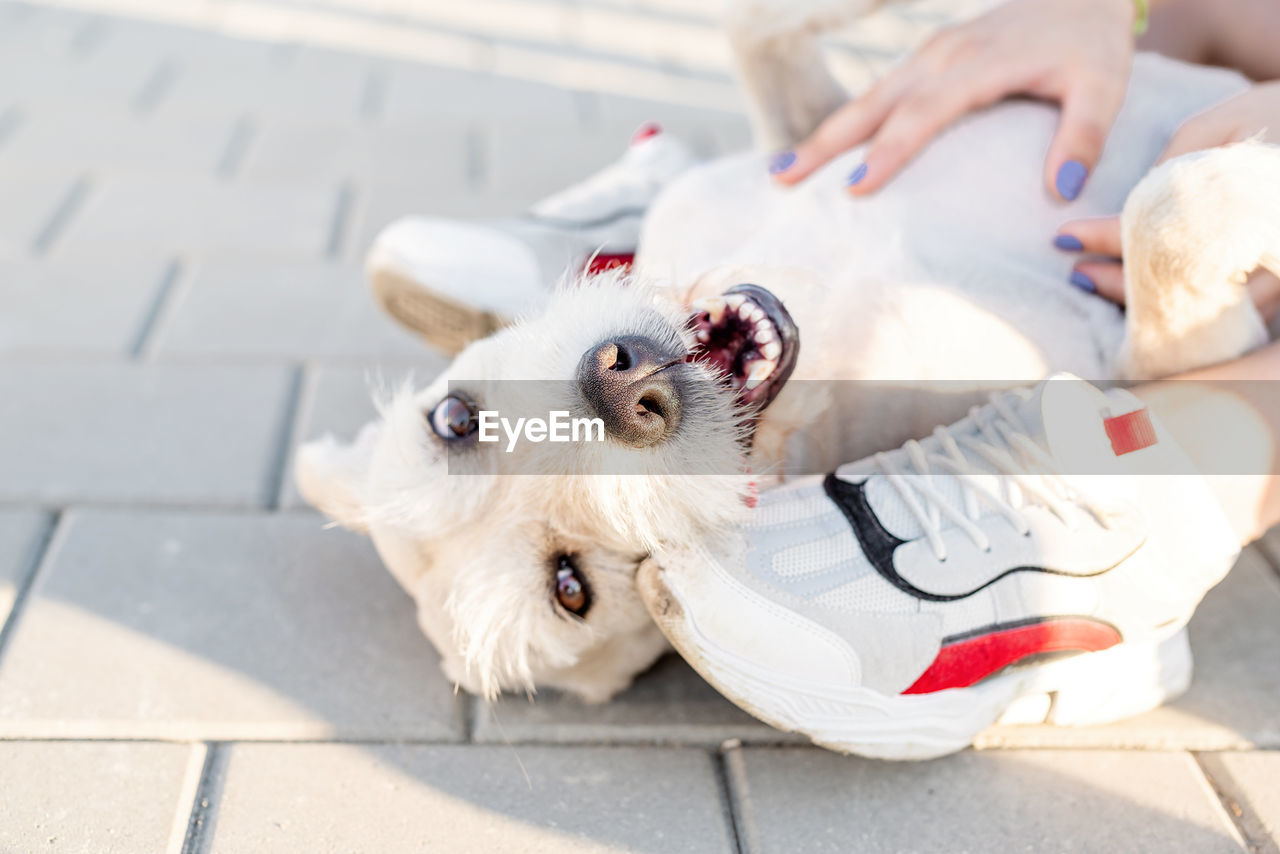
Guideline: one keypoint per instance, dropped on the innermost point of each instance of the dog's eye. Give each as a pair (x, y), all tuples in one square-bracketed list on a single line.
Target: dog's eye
[(453, 418), (571, 589)]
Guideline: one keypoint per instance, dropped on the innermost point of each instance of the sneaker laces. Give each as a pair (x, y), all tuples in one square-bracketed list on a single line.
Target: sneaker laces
[(1002, 442)]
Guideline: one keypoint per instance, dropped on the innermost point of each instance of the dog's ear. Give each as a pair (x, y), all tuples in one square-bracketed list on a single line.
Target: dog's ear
[(332, 476)]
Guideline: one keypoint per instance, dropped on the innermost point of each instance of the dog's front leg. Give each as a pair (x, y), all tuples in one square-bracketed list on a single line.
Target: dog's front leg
[(1193, 230), (780, 63)]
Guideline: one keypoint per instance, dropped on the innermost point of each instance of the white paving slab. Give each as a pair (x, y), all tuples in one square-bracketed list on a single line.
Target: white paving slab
[(391, 799), (113, 433), (106, 798), (419, 93), (1250, 785), (668, 705), (21, 533), (202, 215), (27, 204), (1044, 801), (96, 305), (119, 140), (264, 310), (211, 626)]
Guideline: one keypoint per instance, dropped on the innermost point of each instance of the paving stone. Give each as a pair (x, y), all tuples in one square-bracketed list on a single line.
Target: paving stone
[(264, 79), (21, 532), (27, 204), (118, 140), (384, 203), (46, 74), (708, 131), (259, 309), (202, 215), (1044, 801), (219, 626), (338, 401), (109, 798), (74, 307), (1250, 783), (432, 159), (1234, 696), (417, 94), (391, 799), (670, 704), (148, 433)]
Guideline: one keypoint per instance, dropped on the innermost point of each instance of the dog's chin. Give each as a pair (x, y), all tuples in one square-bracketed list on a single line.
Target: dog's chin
[(748, 339)]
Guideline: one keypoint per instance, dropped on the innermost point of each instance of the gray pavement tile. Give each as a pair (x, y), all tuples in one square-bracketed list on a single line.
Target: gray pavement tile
[(91, 305), (670, 704), (339, 401), (1045, 801), (266, 79), (1250, 786), (202, 215), (263, 309), (709, 131), (219, 626), (384, 203), (143, 433), (27, 205), (418, 94), (113, 140), (391, 799), (1234, 696), (78, 797), (433, 158), (45, 75), (21, 532)]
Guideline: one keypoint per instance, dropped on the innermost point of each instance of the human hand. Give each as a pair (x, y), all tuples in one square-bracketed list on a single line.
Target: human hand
[(1075, 52), (1252, 114)]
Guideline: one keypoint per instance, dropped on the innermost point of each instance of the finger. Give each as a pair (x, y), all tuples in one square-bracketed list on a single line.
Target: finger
[(913, 122), (848, 126), (1099, 236), (1089, 109), (1104, 278), (1264, 289)]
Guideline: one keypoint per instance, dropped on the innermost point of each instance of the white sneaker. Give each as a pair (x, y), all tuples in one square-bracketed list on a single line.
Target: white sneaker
[(454, 281), (1035, 562)]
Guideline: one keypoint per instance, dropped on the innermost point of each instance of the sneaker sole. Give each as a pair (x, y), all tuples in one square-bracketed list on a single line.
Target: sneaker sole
[(1090, 688), (446, 324)]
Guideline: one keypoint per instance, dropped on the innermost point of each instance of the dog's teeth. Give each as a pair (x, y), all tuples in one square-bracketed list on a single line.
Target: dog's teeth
[(702, 335), (734, 301), (764, 335), (746, 310), (758, 372), (757, 314), (772, 350), (713, 306)]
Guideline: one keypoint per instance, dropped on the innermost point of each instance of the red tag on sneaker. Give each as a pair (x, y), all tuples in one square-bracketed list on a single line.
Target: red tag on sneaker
[(646, 131), (601, 262), (1130, 432)]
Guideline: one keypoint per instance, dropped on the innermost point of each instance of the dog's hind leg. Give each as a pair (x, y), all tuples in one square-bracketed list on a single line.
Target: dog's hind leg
[(1193, 230), (780, 63)]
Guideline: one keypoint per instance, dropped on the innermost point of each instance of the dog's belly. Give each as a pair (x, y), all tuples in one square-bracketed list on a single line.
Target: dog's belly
[(948, 272)]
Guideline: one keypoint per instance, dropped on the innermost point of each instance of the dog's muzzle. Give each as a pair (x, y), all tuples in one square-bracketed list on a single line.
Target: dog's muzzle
[(633, 386)]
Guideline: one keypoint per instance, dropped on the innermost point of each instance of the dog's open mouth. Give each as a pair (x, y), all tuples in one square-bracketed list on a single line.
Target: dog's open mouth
[(747, 335)]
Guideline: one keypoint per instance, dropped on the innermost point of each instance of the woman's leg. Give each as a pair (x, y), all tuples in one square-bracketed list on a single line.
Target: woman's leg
[(1240, 34)]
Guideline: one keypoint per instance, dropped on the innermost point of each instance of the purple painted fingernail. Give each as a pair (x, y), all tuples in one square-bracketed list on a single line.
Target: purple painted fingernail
[(1070, 179), (781, 162), (1067, 243), (1083, 282), (857, 174)]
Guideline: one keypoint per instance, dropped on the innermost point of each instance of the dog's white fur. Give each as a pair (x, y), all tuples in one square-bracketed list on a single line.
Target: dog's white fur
[(946, 275)]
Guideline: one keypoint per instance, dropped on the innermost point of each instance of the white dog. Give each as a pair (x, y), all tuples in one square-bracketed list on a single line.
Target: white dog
[(947, 275)]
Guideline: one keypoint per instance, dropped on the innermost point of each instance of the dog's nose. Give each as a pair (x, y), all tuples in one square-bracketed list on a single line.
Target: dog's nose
[(632, 384)]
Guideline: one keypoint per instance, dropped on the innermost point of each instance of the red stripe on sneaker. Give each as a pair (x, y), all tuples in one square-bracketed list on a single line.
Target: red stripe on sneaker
[(603, 262), (1130, 432), (648, 130), (965, 662)]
